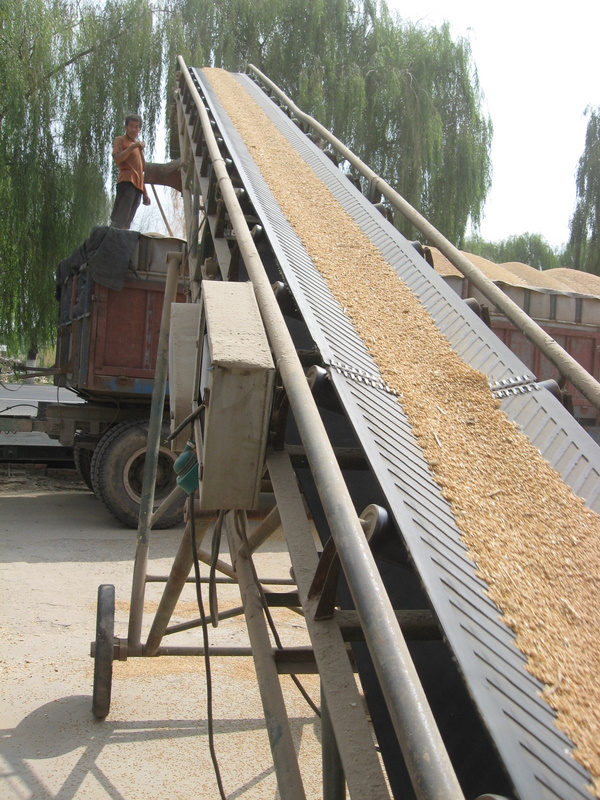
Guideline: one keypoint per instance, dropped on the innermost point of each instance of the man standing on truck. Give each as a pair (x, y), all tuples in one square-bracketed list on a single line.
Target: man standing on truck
[(128, 154)]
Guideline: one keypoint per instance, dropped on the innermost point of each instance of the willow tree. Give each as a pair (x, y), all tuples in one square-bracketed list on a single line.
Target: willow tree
[(405, 98), (69, 72), (583, 248), (526, 248)]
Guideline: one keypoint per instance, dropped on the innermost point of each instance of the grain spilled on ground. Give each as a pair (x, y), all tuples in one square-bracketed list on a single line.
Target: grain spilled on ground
[(534, 542)]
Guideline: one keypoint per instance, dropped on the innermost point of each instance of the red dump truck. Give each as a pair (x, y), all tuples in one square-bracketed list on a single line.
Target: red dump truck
[(110, 298)]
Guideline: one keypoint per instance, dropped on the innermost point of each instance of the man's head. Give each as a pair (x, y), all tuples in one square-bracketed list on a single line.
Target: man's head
[(133, 126)]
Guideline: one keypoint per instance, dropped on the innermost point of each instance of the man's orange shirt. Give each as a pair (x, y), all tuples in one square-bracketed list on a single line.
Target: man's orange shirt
[(132, 168)]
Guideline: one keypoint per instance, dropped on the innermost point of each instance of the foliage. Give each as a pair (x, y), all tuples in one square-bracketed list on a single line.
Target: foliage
[(405, 98), (583, 248), (69, 72), (527, 248)]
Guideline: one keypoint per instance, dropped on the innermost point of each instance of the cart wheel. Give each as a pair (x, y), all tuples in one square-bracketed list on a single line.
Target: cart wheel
[(103, 660), (83, 464), (118, 471)]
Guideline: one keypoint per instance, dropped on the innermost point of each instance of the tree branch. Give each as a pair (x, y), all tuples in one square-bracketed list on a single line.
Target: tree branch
[(60, 67)]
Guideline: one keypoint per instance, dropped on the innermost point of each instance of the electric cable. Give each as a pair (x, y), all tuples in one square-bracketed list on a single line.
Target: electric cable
[(212, 584), (209, 703), (92, 398), (190, 418)]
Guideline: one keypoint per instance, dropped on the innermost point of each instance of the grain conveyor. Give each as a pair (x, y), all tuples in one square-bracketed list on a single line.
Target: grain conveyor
[(488, 731)]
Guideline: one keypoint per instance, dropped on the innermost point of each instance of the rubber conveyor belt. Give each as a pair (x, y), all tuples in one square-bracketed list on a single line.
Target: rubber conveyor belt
[(536, 754)]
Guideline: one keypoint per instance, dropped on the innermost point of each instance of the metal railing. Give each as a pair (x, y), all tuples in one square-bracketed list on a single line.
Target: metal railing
[(565, 363), (424, 752)]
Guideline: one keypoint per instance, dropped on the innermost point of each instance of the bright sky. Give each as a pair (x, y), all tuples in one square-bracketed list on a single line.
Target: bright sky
[(539, 69)]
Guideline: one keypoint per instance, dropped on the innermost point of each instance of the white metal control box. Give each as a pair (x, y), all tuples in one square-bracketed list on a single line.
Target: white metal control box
[(236, 386)]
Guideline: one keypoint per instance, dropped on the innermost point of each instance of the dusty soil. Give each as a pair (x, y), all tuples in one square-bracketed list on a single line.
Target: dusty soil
[(38, 477), (57, 545)]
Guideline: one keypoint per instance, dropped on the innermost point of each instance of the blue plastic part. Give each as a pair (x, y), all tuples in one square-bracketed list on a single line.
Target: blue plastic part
[(186, 469)]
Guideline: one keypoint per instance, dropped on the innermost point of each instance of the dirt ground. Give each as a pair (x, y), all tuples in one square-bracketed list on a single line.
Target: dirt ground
[(38, 477), (57, 545)]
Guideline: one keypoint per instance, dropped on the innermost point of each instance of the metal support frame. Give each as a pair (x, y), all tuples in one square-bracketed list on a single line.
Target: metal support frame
[(334, 780), (347, 729), (351, 729), (424, 752), (349, 758), (181, 568), (151, 462), (285, 760)]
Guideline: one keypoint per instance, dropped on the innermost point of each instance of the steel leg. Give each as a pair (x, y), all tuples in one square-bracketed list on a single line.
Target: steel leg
[(334, 780), (285, 760), (180, 570), (136, 609)]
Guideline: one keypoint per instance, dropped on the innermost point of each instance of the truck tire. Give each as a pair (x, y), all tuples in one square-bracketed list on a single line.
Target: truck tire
[(83, 464), (118, 470)]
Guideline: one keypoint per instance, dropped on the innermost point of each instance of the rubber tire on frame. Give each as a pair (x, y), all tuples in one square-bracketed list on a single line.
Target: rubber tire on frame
[(103, 658), (83, 464), (117, 473)]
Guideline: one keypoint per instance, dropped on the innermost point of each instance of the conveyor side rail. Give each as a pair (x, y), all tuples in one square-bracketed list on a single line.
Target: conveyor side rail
[(533, 749), (413, 723)]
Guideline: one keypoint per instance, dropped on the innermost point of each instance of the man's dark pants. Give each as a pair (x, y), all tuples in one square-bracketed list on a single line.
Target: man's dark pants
[(126, 204)]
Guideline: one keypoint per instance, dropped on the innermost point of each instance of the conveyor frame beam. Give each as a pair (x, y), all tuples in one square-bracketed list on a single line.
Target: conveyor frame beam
[(425, 754)]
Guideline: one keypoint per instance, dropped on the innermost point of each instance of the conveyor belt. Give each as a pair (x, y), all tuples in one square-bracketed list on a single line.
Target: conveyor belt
[(535, 753)]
